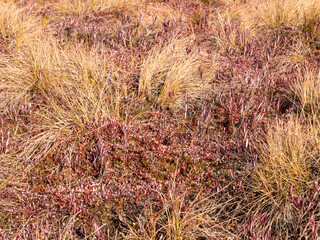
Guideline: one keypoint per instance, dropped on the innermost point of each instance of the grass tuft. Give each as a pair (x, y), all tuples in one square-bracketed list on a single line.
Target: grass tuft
[(283, 185), (174, 72)]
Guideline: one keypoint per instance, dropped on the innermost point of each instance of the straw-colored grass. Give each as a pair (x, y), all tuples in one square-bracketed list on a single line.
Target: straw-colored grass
[(307, 91), (176, 221), (18, 25), (72, 84), (289, 165), (175, 72), (68, 86), (83, 7), (284, 14)]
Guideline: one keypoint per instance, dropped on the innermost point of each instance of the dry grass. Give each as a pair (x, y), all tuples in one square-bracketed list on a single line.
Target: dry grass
[(307, 91), (18, 25), (68, 86), (283, 184), (83, 7), (175, 72), (226, 33), (79, 79), (284, 14), (150, 14), (286, 20), (177, 220), (156, 13)]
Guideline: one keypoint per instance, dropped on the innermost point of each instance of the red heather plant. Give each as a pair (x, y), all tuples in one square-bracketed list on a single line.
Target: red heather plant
[(107, 174)]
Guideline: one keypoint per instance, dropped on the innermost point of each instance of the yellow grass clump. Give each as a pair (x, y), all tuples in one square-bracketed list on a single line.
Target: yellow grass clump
[(70, 86), (157, 13), (307, 90), (83, 7), (175, 70), (148, 13), (289, 165), (72, 81), (18, 25), (175, 221), (285, 14)]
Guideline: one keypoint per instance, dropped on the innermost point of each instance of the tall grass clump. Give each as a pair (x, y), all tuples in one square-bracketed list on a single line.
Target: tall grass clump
[(148, 14), (83, 7), (174, 72), (68, 86), (157, 13), (227, 32), (17, 25), (179, 218), (72, 81), (307, 92), (287, 15), (285, 184)]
